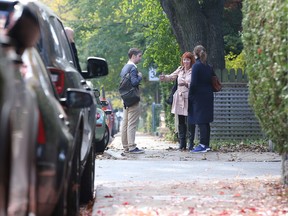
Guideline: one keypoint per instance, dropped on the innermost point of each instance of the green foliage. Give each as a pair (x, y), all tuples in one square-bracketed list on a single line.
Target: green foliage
[(148, 123), (232, 29), (162, 50), (109, 28), (234, 61), (265, 47)]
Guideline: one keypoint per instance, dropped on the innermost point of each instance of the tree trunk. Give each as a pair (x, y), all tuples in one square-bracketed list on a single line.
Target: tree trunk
[(285, 168), (195, 23)]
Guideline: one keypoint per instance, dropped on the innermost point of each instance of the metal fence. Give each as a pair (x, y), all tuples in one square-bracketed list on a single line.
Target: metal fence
[(234, 117), (156, 109)]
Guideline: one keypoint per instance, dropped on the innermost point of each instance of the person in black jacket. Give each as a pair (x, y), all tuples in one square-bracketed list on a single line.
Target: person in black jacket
[(201, 101), (131, 114)]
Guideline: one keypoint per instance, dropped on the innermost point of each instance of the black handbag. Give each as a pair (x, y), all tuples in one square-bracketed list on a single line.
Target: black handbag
[(130, 94), (169, 100)]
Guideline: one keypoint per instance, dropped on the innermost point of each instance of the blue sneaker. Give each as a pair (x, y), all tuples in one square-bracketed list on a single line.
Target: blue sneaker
[(136, 151), (199, 149)]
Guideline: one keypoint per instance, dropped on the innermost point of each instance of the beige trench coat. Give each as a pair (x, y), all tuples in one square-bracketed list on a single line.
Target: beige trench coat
[(180, 97)]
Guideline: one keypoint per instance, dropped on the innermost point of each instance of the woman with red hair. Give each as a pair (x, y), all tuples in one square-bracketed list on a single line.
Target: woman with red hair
[(180, 99)]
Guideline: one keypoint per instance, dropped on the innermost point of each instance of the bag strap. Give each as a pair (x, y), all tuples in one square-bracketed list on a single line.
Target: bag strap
[(127, 75), (129, 70)]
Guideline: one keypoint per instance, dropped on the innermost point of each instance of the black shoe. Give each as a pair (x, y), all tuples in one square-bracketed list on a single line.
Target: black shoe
[(182, 149), (191, 147)]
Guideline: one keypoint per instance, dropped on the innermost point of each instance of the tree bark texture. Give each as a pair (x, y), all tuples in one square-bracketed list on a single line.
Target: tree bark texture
[(194, 23), (285, 168)]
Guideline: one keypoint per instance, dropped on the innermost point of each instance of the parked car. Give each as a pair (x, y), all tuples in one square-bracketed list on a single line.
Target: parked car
[(102, 131), (118, 119), (102, 134), (57, 55), (18, 123), (54, 142), (107, 105), (18, 132)]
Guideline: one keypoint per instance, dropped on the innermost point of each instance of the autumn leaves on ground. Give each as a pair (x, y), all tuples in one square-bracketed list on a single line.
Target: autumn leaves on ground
[(205, 197)]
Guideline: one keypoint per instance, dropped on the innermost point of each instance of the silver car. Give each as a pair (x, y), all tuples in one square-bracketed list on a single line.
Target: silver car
[(18, 132)]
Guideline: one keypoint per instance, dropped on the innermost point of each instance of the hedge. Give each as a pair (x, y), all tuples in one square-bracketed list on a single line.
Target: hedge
[(265, 50)]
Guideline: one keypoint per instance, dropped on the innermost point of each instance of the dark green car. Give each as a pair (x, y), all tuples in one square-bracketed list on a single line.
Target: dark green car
[(102, 134)]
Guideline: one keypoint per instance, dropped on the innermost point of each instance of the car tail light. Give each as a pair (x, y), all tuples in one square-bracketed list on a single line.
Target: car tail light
[(41, 138), (58, 77), (97, 116)]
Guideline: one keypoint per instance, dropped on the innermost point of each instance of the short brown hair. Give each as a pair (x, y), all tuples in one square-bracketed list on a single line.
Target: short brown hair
[(133, 51)]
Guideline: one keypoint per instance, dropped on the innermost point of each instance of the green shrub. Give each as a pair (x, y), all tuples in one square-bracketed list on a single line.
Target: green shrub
[(265, 50), (234, 61)]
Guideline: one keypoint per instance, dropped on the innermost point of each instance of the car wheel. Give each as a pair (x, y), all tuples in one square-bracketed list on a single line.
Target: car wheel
[(73, 205), (87, 179), (102, 145)]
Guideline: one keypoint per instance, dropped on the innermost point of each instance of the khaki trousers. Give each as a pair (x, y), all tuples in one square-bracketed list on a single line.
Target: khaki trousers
[(129, 126)]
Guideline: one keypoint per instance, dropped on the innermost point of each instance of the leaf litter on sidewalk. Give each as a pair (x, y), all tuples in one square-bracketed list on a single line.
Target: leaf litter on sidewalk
[(267, 197), (210, 197)]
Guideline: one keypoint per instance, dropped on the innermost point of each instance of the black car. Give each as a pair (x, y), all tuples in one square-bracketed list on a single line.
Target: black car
[(36, 145), (58, 57), (54, 141)]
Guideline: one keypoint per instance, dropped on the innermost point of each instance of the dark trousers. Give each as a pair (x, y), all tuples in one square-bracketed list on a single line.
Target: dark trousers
[(182, 131), (204, 134)]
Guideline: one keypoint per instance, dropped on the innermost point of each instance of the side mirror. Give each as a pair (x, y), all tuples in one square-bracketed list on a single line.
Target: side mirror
[(96, 67), (108, 112), (76, 98)]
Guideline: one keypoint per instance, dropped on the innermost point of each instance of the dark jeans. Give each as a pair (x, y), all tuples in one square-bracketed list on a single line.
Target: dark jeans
[(182, 119), (204, 134)]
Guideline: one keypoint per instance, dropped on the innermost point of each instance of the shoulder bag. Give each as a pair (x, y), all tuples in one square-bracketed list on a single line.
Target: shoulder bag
[(129, 93), (169, 100), (216, 84)]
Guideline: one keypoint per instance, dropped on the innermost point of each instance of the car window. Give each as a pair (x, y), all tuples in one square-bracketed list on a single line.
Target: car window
[(61, 44), (34, 67)]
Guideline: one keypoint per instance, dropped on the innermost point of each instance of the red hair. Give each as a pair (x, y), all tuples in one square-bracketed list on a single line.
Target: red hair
[(190, 56)]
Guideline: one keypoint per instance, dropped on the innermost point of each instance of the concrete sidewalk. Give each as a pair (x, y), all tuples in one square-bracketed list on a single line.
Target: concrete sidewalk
[(108, 171), (164, 181), (158, 149), (161, 161)]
